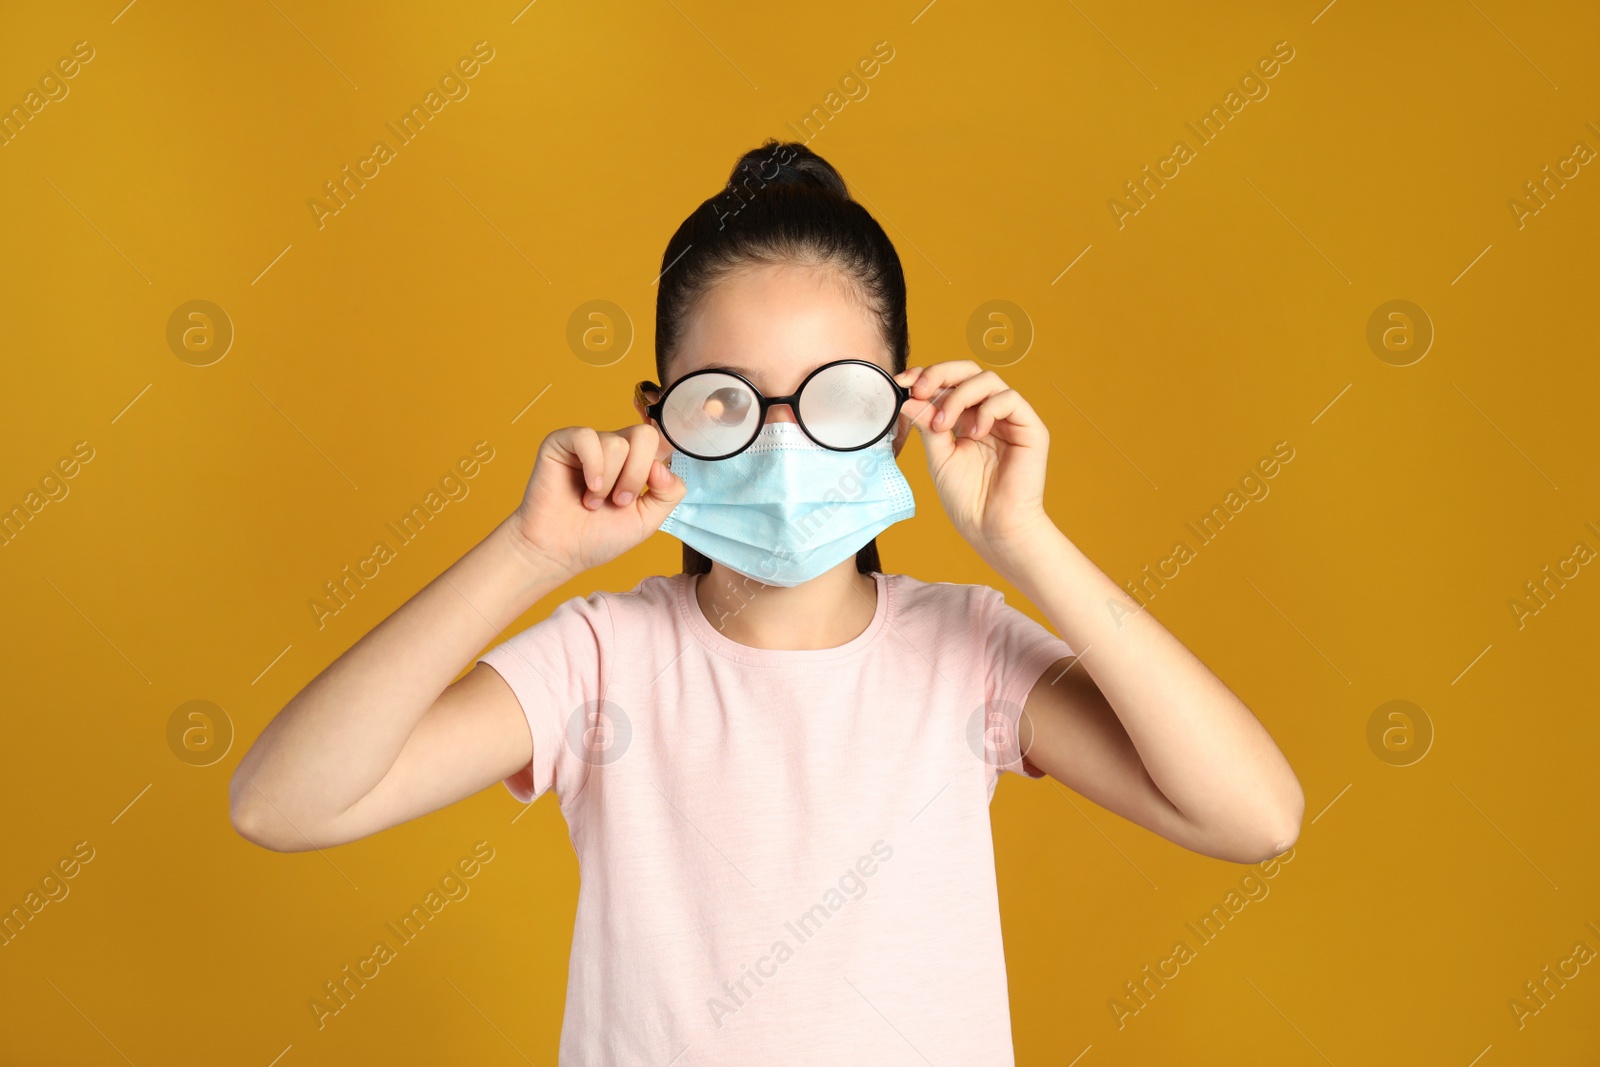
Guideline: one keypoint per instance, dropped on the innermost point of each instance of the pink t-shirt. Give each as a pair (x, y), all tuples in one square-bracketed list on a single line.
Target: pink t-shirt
[(785, 855)]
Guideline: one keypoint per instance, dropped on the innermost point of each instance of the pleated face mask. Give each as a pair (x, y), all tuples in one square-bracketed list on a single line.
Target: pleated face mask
[(786, 509)]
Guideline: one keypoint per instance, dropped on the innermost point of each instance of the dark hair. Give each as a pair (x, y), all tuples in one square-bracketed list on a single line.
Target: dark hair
[(783, 204)]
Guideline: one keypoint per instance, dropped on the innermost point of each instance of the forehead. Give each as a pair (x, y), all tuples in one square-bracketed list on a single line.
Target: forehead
[(776, 323)]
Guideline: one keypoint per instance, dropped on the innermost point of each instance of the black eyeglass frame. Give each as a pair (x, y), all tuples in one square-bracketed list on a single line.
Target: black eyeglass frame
[(902, 394)]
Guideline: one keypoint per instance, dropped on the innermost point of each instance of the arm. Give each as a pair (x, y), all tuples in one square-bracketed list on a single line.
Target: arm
[(1138, 724), (377, 738), (381, 736)]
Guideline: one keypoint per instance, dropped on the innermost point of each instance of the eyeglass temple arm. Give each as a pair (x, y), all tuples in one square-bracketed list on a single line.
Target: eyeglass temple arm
[(654, 410)]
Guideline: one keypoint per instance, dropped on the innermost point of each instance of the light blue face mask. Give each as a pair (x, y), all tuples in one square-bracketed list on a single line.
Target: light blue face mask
[(786, 509)]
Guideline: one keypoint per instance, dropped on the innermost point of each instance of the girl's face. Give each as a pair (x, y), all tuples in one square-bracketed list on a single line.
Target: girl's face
[(775, 325)]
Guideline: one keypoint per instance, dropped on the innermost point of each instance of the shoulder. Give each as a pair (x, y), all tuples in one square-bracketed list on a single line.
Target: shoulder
[(650, 601), (954, 606), (916, 591), (605, 609), (650, 594)]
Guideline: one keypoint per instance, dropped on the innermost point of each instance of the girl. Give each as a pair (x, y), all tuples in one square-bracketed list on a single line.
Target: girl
[(776, 766)]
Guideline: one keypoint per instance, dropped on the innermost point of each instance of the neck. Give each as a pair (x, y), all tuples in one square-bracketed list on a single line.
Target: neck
[(829, 610)]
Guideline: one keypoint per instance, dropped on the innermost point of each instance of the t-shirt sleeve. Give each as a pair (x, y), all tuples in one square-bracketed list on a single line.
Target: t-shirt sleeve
[(557, 669), (1017, 652)]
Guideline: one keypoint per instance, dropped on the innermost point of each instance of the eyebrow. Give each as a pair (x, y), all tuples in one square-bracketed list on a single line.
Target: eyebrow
[(752, 374), (746, 371)]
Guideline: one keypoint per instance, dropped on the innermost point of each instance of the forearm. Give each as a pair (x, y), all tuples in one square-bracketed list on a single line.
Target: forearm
[(1200, 744), (342, 733)]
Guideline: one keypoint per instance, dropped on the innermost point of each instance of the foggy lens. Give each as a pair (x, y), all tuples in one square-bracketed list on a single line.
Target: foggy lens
[(710, 415), (848, 405)]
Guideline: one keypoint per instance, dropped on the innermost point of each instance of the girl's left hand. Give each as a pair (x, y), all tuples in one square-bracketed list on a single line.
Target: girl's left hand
[(986, 451)]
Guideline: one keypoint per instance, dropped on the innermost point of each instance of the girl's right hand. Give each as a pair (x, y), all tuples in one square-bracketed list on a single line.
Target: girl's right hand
[(587, 500)]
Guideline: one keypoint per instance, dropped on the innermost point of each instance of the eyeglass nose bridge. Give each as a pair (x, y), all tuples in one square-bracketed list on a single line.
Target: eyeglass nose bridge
[(785, 405)]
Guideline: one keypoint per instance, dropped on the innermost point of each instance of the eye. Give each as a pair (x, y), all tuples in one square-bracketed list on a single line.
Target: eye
[(709, 414), (728, 405)]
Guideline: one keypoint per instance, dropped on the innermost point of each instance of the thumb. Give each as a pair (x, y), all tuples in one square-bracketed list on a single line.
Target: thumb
[(936, 443), (666, 491), (938, 446)]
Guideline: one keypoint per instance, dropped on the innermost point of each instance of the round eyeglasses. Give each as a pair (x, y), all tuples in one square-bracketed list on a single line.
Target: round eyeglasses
[(714, 414)]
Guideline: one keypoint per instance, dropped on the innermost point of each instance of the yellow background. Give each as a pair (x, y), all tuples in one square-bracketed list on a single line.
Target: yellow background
[(1227, 315)]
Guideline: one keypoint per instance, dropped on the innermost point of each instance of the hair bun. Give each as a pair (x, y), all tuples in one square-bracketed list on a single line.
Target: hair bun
[(789, 163)]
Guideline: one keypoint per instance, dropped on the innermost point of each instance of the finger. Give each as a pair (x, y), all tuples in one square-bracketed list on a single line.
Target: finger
[(937, 444), (666, 490), (941, 376), (968, 393), (636, 465), (584, 443), (1008, 416), (909, 379), (936, 382), (920, 414), (663, 447), (996, 408), (615, 450)]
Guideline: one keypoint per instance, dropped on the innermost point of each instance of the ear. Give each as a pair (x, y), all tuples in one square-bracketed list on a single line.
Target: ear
[(902, 430)]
